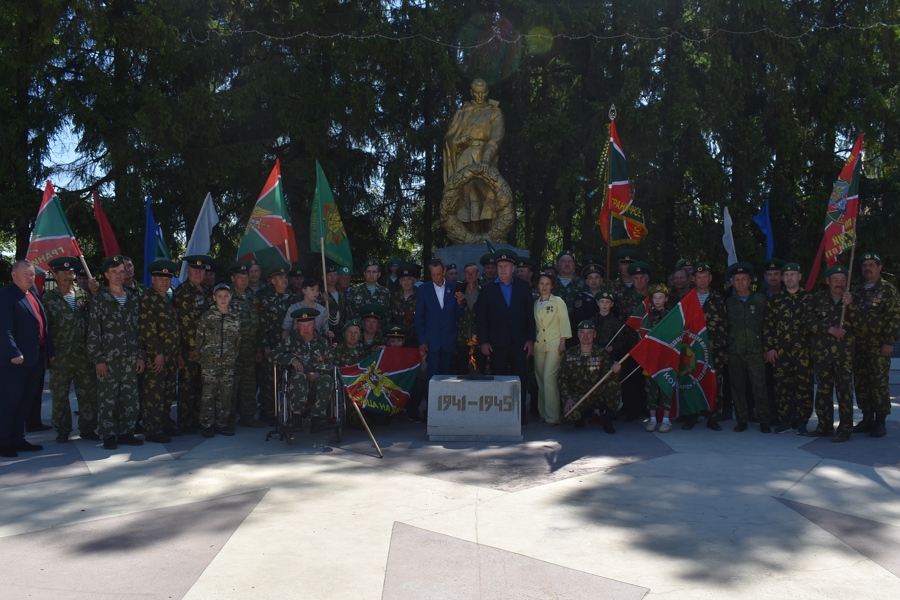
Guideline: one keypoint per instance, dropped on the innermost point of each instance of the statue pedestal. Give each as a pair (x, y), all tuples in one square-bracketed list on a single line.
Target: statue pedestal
[(471, 253), (465, 410)]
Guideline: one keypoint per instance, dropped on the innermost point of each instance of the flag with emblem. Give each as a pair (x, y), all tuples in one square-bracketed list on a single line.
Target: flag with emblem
[(269, 236), (621, 220), (639, 319), (52, 236), (677, 355), (840, 216), (383, 381), (325, 224)]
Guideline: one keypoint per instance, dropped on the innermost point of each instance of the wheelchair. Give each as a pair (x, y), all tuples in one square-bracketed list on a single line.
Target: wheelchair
[(287, 423)]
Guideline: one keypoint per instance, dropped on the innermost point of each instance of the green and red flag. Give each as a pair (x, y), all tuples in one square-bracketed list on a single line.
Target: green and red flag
[(621, 220), (677, 355), (383, 381), (52, 236), (639, 319), (269, 236), (840, 216), (325, 224)]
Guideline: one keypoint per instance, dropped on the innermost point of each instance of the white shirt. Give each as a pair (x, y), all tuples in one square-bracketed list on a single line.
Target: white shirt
[(439, 290)]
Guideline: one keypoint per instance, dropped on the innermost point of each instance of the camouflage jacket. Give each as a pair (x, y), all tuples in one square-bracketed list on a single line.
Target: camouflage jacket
[(160, 330), (716, 326), (785, 328), (272, 308), (344, 356), (879, 314), (824, 314), (289, 323), (579, 372), (370, 347), (138, 290), (218, 338), (315, 355), (68, 327), (360, 296), (467, 326), (403, 312), (190, 302), (251, 334), (113, 329), (745, 323), (571, 291)]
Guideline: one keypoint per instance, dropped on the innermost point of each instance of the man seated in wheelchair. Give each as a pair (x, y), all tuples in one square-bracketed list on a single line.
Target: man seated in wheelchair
[(309, 356)]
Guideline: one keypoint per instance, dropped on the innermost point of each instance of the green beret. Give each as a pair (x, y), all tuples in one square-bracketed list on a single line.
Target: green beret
[(550, 267), (397, 331), (64, 263), (638, 268), (506, 255), (79, 270), (592, 268), (395, 261), (527, 262), (371, 263), (701, 268), (628, 255), (297, 270), (587, 324), (407, 270), (163, 268), (835, 270), (862, 259), (281, 269), (305, 314), (791, 266), (565, 253), (222, 286), (605, 295), (451, 266), (113, 261), (659, 288), (684, 263), (199, 261), (739, 268), (773, 264), (240, 267), (351, 323), (372, 311), (343, 271), (488, 259)]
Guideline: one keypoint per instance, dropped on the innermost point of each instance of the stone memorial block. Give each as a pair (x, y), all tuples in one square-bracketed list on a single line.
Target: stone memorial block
[(470, 410)]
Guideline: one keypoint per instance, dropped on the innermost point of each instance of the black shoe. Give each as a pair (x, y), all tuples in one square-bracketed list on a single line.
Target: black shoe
[(207, 432), (158, 438), (8, 452), (62, 438), (714, 425), (225, 431), (38, 427), (138, 428), (26, 446), (783, 428), (128, 439), (841, 435), (765, 428), (90, 435), (878, 428), (110, 443), (802, 429), (740, 427), (865, 426), (819, 433)]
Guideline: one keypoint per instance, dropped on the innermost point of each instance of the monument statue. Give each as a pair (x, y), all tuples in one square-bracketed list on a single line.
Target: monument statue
[(477, 202)]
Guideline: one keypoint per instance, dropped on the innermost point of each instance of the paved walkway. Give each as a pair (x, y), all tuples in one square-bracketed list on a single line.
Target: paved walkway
[(563, 514)]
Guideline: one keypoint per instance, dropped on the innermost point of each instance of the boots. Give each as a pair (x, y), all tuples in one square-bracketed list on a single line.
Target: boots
[(865, 425), (878, 429)]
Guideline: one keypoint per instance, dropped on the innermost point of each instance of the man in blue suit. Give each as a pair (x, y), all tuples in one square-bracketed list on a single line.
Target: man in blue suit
[(505, 313), (24, 344), (437, 311)]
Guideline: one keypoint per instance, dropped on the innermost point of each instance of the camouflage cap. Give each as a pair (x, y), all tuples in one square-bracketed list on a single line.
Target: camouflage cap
[(605, 295), (304, 314), (163, 268), (773, 264), (397, 331), (587, 324), (638, 268), (63, 263), (836, 270), (870, 256), (113, 261)]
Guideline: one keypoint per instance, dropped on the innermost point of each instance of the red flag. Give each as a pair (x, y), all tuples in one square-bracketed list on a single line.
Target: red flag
[(110, 244), (639, 320)]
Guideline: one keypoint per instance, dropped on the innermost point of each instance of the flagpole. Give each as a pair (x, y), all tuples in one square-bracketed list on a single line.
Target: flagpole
[(324, 275), (612, 117), (84, 265), (366, 425), (596, 385), (849, 274), (615, 336), (636, 369)]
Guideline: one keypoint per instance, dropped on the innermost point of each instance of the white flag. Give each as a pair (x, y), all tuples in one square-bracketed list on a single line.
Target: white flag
[(199, 242), (728, 239)]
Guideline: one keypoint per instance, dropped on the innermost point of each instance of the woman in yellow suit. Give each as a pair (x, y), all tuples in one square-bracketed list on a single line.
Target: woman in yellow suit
[(551, 319)]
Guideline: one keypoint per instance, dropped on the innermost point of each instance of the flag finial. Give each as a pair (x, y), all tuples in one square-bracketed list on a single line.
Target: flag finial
[(612, 112)]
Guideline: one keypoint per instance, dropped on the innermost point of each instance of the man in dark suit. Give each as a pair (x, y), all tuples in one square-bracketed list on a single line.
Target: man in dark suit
[(437, 311), (24, 343), (505, 316)]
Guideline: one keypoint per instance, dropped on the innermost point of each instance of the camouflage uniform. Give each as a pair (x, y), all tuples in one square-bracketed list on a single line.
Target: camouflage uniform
[(359, 296), (160, 333), (190, 302), (785, 331), (466, 330), (832, 360), (272, 308), (370, 347), (113, 339), (138, 289), (716, 315), (344, 356), (578, 373), (218, 344), (570, 292), (879, 324), (403, 313), (243, 399), (68, 329), (745, 355), (314, 355)]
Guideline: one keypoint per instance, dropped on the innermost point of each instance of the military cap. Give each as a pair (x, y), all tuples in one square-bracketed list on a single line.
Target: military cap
[(702, 268), (451, 266), (343, 271), (506, 255), (163, 268), (351, 323), (297, 270), (593, 268), (773, 264), (407, 270), (281, 269), (565, 253), (372, 311), (79, 270), (488, 259), (605, 295), (309, 282), (305, 314), (397, 331), (222, 286), (371, 263), (629, 255), (638, 268), (587, 324), (684, 263), (550, 267), (739, 268), (524, 261), (240, 267), (592, 259), (791, 266), (63, 263), (835, 270), (332, 268), (113, 261), (395, 261), (199, 261), (870, 256), (659, 288)]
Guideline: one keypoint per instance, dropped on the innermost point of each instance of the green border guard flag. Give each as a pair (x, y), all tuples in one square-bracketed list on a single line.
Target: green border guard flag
[(325, 223)]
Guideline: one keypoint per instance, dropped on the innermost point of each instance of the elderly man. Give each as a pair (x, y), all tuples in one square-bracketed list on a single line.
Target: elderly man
[(191, 300), (569, 283), (24, 343)]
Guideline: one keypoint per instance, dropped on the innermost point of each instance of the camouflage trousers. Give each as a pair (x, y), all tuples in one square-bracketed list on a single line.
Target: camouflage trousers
[(301, 386), (243, 398), (834, 377), (63, 372), (655, 397), (794, 385), (215, 402), (741, 368), (606, 397), (157, 394), (870, 378), (190, 386), (117, 399)]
